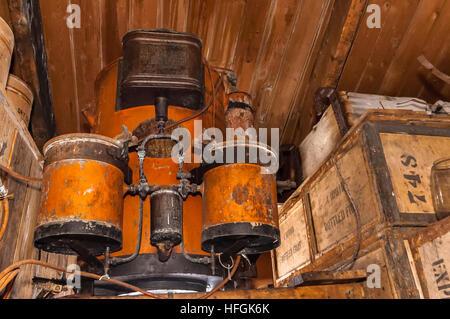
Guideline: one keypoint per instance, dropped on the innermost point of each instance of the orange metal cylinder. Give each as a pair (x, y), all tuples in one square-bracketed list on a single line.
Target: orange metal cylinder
[(239, 203), (82, 195), (161, 171)]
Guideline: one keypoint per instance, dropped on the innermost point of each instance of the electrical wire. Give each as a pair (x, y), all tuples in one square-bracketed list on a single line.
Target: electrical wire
[(211, 102), (8, 279), (118, 260), (20, 177), (17, 265), (225, 281), (6, 273), (5, 205), (351, 263)]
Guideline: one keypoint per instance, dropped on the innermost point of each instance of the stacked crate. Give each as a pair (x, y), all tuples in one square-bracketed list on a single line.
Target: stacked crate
[(385, 161)]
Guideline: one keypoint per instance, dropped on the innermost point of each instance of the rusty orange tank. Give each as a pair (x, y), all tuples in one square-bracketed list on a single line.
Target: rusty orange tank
[(239, 204), (82, 195), (156, 226), (177, 273)]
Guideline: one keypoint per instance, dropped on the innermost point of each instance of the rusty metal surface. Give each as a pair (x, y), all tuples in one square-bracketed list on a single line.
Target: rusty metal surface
[(85, 146), (239, 203), (166, 229), (146, 272), (161, 171), (161, 63), (82, 198), (157, 147), (239, 112), (239, 117)]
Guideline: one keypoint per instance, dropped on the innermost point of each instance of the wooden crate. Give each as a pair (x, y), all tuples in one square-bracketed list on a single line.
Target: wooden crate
[(294, 251), (385, 160), (431, 253), (387, 253), (319, 143), (18, 150), (327, 133)]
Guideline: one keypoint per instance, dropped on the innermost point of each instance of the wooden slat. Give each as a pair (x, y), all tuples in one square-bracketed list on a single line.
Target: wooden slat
[(21, 163), (174, 14), (437, 50), (30, 64), (277, 33), (304, 41), (328, 64), (395, 21), (143, 14), (361, 51), (86, 54), (199, 16), (249, 43), (115, 23), (220, 31), (61, 68), (23, 287), (342, 291), (402, 64)]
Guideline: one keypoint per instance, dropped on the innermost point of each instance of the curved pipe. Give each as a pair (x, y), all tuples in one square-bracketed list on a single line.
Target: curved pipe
[(200, 260), (20, 177), (119, 261)]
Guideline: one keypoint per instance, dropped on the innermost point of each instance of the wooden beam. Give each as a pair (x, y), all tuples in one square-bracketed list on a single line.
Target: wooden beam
[(327, 67), (342, 291), (328, 277), (30, 64)]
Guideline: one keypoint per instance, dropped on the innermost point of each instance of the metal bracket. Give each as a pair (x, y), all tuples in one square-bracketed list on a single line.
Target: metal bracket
[(49, 287)]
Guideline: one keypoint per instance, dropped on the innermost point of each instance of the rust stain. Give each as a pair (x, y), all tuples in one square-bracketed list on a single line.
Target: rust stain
[(240, 194)]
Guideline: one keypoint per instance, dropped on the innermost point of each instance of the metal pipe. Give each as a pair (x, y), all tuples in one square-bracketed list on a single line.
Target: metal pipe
[(200, 260), (118, 261)]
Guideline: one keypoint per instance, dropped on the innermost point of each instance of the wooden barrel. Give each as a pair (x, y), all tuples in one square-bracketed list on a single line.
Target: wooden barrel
[(6, 50), (20, 97)]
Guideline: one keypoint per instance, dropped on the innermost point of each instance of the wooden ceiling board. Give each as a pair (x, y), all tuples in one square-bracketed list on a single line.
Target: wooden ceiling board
[(282, 50), (60, 65), (301, 54), (327, 66), (4, 12), (396, 19), (255, 17), (143, 14), (278, 31), (437, 50), (404, 64), (87, 55)]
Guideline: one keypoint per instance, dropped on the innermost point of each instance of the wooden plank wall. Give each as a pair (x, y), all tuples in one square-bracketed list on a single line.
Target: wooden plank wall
[(282, 50), (384, 61), (263, 40), (22, 155)]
